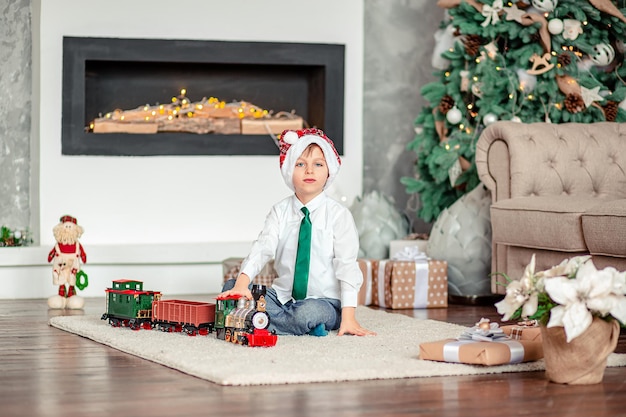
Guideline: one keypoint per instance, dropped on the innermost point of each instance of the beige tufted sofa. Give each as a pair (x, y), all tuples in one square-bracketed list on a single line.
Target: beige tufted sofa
[(558, 190)]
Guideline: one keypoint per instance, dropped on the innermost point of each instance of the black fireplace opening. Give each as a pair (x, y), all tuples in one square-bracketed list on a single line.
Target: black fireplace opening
[(104, 74)]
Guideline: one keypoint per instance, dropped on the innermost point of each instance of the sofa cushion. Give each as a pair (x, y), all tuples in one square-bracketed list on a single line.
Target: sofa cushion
[(604, 227), (551, 223)]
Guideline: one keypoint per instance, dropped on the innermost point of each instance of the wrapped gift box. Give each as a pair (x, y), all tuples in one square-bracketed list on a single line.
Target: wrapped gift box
[(396, 246), (482, 353), (405, 284), (365, 293), (522, 332), (231, 267)]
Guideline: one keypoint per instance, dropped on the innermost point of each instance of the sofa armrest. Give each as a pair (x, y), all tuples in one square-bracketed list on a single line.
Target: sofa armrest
[(544, 159), (493, 166)]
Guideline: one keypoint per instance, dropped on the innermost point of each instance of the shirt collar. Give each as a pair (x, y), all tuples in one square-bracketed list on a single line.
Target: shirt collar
[(311, 205)]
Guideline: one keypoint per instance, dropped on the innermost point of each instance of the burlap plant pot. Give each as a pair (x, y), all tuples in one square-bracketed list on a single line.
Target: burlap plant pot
[(583, 360)]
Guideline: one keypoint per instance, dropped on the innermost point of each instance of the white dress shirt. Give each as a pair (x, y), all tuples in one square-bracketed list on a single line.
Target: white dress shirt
[(333, 271)]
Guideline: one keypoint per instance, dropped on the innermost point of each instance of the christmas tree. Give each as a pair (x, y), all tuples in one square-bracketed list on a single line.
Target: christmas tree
[(554, 61)]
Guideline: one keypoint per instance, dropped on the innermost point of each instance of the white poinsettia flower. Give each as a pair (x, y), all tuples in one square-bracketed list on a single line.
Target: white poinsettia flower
[(574, 318), (522, 293), (590, 292), (567, 268), (530, 307), (607, 295), (579, 289), (513, 300), (619, 281)]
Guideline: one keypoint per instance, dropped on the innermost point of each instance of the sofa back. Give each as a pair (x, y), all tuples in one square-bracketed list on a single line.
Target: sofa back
[(547, 159)]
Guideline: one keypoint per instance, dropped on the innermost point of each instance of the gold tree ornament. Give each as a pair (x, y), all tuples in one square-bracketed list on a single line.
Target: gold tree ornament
[(541, 64)]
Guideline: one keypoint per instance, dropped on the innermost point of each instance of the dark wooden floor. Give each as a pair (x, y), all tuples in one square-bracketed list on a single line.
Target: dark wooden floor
[(48, 372)]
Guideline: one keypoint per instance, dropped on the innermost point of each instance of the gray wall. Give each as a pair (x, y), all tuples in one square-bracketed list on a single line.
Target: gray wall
[(398, 46), (15, 109), (399, 40)]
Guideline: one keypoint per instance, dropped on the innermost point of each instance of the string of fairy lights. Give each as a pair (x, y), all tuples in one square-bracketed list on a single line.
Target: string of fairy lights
[(182, 107)]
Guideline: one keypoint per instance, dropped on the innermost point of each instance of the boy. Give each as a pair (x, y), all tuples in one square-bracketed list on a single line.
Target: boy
[(314, 243)]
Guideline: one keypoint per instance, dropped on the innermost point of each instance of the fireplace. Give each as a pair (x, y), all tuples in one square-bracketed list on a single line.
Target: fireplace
[(103, 74)]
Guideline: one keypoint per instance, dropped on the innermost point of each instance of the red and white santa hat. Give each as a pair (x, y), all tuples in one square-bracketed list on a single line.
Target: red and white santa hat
[(294, 142)]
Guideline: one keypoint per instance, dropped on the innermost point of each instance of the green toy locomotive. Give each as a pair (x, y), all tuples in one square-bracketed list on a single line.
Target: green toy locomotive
[(242, 321)]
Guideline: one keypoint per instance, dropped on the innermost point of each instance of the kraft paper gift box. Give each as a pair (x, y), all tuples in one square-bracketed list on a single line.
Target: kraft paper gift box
[(522, 332), (365, 293), (231, 267), (503, 351), (399, 284)]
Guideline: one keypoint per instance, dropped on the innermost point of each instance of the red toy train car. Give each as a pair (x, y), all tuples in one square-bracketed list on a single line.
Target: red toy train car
[(191, 317)]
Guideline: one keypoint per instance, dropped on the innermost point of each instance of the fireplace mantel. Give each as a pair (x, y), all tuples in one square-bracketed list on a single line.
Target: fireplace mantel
[(101, 74)]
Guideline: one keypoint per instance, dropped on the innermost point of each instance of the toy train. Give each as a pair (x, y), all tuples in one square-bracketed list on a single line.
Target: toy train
[(234, 319)]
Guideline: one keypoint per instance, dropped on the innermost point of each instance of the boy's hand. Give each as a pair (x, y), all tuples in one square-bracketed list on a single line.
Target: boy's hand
[(349, 325), (244, 293), (240, 288)]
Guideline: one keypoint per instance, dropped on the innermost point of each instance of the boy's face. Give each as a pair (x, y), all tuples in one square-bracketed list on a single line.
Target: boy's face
[(310, 174)]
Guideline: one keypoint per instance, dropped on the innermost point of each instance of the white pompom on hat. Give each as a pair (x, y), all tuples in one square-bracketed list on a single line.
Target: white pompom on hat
[(294, 142)]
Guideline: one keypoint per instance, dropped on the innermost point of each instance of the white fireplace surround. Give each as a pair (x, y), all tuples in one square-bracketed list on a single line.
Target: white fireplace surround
[(168, 221)]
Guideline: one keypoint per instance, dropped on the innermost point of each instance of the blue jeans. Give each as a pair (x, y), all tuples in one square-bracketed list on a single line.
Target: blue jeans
[(300, 317)]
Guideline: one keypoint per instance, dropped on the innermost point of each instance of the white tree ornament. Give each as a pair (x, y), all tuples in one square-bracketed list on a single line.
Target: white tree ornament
[(490, 118), (492, 13), (590, 95), (571, 29), (454, 115), (545, 5), (555, 26), (603, 54)]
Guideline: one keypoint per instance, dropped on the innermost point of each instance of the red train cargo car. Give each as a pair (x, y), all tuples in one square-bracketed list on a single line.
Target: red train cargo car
[(191, 317)]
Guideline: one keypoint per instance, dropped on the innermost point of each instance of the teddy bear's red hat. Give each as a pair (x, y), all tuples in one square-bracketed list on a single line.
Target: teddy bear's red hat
[(67, 218)]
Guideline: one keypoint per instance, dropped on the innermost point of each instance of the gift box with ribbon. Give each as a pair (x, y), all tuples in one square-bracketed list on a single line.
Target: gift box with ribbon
[(231, 267), (482, 345), (410, 280), (526, 330), (418, 240)]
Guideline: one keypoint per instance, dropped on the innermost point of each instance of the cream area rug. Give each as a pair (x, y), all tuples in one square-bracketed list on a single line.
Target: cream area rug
[(393, 353)]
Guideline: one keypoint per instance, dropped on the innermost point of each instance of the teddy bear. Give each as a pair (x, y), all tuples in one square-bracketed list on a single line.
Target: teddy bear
[(66, 257)]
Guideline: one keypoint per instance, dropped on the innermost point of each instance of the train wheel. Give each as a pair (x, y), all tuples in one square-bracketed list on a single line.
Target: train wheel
[(260, 320), (227, 335)]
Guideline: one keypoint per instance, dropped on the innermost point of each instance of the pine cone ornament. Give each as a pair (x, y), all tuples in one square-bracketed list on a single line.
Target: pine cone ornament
[(610, 111), (472, 44), (446, 103), (574, 103), (564, 59)]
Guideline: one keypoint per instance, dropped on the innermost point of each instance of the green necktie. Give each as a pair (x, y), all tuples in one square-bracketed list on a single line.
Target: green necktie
[(303, 257)]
